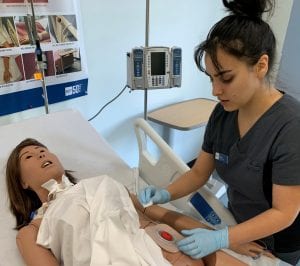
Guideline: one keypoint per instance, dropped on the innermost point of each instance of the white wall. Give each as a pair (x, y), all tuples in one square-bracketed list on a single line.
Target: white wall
[(183, 24), (111, 28)]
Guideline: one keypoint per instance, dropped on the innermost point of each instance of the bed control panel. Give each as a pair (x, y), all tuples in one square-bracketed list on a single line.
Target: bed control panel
[(204, 209)]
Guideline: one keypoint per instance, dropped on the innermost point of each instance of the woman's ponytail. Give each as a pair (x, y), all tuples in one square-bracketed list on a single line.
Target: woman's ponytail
[(249, 8)]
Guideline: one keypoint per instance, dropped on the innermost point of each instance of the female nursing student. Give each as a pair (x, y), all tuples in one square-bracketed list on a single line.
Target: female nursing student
[(251, 139)]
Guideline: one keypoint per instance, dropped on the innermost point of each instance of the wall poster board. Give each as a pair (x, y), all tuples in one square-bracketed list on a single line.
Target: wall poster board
[(57, 25)]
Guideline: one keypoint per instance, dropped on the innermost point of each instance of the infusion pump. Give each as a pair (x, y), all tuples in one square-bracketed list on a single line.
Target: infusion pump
[(154, 67)]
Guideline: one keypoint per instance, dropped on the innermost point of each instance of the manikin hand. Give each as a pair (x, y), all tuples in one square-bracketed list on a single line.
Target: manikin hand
[(201, 242), (154, 195), (252, 249)]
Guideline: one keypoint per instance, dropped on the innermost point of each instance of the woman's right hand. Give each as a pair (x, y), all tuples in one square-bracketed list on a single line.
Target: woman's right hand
[(154, 195)]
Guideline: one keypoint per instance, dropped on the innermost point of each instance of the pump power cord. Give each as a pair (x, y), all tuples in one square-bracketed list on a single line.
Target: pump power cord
[(101, 109)]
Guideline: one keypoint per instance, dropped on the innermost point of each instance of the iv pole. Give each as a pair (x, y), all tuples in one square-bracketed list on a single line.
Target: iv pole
[(146, 45), (39, 57)]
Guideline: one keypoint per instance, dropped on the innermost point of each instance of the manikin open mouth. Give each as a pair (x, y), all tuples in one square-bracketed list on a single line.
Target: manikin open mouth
[(46, 163)]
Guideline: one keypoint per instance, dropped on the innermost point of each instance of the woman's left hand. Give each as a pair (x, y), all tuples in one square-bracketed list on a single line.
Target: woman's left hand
[(201, 242)]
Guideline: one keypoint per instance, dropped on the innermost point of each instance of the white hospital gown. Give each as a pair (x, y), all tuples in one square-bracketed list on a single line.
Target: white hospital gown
[(95, 223)]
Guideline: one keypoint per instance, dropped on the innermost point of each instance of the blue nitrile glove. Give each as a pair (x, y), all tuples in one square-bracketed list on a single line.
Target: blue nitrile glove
[(156, 195), (201, 242)]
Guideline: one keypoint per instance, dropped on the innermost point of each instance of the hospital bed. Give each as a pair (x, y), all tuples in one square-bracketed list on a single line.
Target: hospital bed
[(81, 149)]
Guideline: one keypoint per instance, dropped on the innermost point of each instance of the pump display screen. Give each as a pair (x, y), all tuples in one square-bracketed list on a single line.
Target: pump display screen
[(158, 63)]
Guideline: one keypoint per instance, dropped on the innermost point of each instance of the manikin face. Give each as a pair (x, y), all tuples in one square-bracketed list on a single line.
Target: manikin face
[(38, 165), (236, 84)]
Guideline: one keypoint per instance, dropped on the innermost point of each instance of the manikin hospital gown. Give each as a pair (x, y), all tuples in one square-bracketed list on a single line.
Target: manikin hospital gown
[(95, 223)]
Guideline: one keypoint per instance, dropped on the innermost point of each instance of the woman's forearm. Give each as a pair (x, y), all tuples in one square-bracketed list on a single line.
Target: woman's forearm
[(193, 179), (262, 225), (284, 211)]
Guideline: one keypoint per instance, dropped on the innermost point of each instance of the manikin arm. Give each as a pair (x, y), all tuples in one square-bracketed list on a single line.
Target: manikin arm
[(33, 254)]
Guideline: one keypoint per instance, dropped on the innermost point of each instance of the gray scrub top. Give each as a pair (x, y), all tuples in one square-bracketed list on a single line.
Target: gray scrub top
[(269, 153)]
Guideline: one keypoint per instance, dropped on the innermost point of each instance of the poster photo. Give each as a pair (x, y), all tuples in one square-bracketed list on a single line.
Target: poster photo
[(22, 1), (57, 28)]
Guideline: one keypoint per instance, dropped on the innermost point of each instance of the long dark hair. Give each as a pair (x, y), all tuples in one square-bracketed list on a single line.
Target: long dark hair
[(22, 201), (242, 33)]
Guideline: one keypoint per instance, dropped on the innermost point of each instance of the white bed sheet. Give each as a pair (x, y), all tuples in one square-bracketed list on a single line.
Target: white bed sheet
[(79, 147)]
